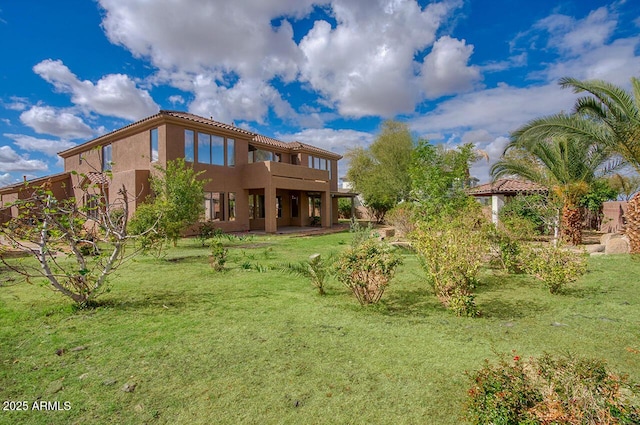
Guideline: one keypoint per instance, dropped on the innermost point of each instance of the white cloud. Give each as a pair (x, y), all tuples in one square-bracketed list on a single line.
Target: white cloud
[(249, 99), (579, 36), (17, 103), (498, 110), (6, 179), (365, 65), (47, 120), (197, 35), (34, 144), (113, 95), (445, 69), (615, 62), (10, 161), (176, 100)]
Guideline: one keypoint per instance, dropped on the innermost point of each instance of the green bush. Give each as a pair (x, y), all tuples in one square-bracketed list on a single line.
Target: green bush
[(554, 265), (316, 269), (550, 390), (208, 230), (531, 209), (367, 268), (452, 250), (361, 233), (344, 208), (218, 256), (506, 242)]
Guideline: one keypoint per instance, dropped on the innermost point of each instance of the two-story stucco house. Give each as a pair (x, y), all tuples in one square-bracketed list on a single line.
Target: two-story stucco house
[(255, 182)]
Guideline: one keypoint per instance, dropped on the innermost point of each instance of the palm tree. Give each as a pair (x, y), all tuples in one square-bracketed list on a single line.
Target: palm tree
[(608, 116), (564, 165)]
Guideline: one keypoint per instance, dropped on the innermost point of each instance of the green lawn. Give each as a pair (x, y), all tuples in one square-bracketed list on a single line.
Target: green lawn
[(258, 346)]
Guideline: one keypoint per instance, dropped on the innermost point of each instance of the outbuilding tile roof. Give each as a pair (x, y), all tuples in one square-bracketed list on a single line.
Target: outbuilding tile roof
[(506, 187)]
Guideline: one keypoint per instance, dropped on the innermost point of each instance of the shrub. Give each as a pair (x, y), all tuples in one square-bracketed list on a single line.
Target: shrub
[(554, 265), (207, 230), (530, 209), (367, 268), (361, 233), (218, 256), (316, 269), (550, 390), (344, 208), (506, 242), (451, 251), (402, 218)]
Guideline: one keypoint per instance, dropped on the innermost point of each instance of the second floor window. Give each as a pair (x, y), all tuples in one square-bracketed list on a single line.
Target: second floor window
[(189, 152), (320, 164), (154, 144), (215, 150), (106, 158)]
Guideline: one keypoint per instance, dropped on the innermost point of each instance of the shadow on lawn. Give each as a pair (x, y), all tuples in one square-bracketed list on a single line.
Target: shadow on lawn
[(167, 300)]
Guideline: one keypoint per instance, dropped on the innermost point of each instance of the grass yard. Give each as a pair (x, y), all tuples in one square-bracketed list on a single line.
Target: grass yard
[(256, 346)]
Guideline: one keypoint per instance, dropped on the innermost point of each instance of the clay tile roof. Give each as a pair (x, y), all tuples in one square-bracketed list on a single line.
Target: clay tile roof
[(202, 120), (506, 187), (270, 141)]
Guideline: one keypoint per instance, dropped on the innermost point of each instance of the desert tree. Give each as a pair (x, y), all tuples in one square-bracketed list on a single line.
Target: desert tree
[(77, 243), (380, 172)]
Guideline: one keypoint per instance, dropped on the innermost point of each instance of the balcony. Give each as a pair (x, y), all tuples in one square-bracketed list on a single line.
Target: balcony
[(283, 175)]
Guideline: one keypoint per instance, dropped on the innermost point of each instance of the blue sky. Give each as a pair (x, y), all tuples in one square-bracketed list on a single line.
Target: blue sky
[(321, 72)]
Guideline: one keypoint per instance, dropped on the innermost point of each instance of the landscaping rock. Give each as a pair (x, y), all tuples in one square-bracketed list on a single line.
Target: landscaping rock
[(617, 245), (608, 236), (594, 248)]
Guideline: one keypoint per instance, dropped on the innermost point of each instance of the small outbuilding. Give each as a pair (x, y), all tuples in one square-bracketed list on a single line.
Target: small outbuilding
[(502, 189)]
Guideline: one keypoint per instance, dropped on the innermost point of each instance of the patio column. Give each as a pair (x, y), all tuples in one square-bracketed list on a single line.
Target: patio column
[(497, 202), (325, 213), (270, 211)]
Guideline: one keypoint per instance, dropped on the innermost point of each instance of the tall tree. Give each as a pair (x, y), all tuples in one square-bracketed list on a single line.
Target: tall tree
[(439, 176), (566, 165), (380, 172), (608, 116)]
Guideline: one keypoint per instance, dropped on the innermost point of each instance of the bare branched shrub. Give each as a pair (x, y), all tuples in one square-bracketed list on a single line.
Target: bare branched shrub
[(367, 268), (77, 243)]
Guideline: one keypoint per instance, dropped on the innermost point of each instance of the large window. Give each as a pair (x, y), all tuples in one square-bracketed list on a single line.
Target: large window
[(214, 206), (256, 206), (231, 213), (260, 155), (106, 158), (315, 205), (231, 152), (154, 144), (215, 150), (189, 153), (320, 163)]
